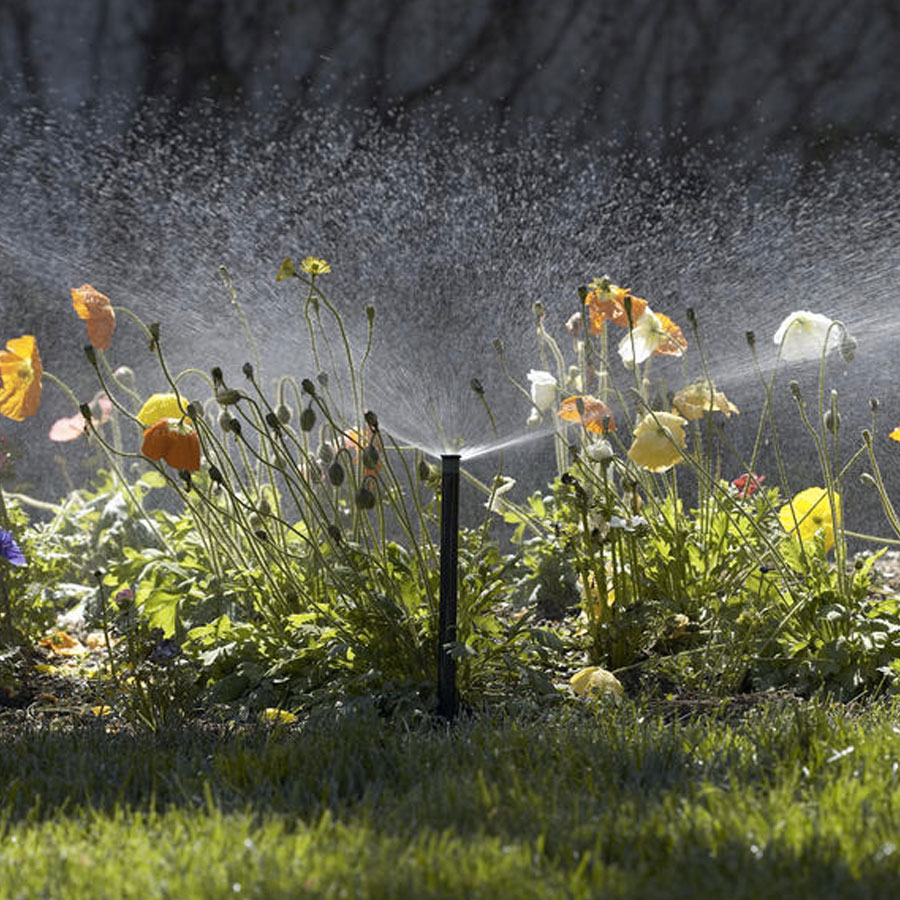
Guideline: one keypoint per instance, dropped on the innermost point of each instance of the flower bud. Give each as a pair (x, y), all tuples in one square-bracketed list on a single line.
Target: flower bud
[(247, 369), (272, 421), (215, 475), (477, 387), (832, 421), (228, 397), (153, 328), (424, 470), (497, 344), (235, 427), (265, 508), (322, 378), (371, 419), (307, 419), (335, 533), (194, 410), (751, 338), (91, 354), (225, 420), (283, 411), (583, 293), (85, 411), (185, 476), (873, 404), (370, 458), (336, 474), (365, 499), (308, 386), (217, 378), (848, 347), (370, 313)]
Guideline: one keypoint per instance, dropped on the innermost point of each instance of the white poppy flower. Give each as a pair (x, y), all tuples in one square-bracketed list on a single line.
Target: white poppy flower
[(543, 389), (640, 343), (804, 335)]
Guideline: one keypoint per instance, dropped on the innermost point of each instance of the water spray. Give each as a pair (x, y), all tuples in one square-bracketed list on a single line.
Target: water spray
[(447, 699)]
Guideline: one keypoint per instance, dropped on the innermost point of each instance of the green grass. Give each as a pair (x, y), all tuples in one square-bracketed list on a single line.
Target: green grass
[(612, 802)]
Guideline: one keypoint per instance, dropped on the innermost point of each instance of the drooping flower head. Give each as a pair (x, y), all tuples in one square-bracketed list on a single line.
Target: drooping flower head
[(701, 397), (653, 333), (809, 513), (658, 441), (607, 301), (174, 441), (162, 406), (10, 550), (588, 411), (99, 316), (805, 335), (20, 372)]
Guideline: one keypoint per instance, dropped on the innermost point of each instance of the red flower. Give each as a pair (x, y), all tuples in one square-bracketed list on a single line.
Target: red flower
[(748, 483)]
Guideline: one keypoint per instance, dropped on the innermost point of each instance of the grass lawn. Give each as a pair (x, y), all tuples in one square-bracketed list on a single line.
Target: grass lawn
[(785, 798)]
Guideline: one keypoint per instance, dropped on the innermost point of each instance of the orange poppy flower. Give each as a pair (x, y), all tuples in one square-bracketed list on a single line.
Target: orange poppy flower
[(609, 303), (596, 412), (20, 372), (174, 442), (673, 344), (99, 316)]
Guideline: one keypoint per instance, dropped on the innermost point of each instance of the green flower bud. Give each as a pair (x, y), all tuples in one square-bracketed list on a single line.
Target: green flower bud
[(336, 474), (308, 386), (307, 419), (283, 411), (228, 397), (365, 499), (370, 458), (247, 369)]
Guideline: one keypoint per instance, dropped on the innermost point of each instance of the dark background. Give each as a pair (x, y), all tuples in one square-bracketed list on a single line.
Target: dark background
[(803, 75)]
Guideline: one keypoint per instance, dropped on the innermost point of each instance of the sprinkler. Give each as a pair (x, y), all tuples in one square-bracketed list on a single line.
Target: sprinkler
[(447, 700)]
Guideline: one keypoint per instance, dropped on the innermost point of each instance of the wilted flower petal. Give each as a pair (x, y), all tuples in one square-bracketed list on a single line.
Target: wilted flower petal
[(596, 680)]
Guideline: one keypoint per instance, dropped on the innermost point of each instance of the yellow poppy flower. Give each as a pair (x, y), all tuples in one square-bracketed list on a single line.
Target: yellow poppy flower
[(161, 406), (314, 265), (275, 716), (20, 373), (658, 441), (810, 512), (701, 397)]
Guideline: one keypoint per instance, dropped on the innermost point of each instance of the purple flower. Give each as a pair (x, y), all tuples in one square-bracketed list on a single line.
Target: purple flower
[(10, 550)]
